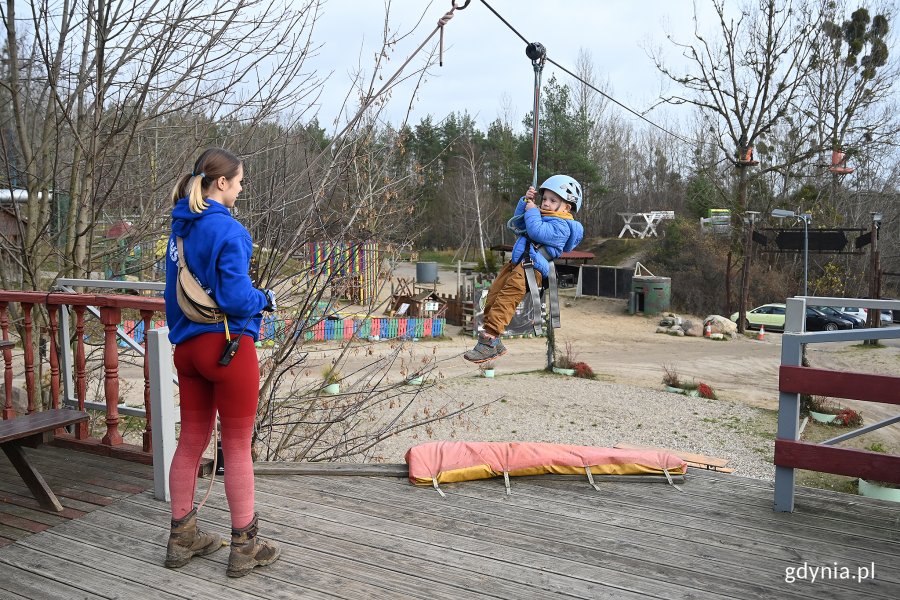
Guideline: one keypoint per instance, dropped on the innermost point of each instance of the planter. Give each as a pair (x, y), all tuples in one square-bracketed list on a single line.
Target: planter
[(332, 388), (674, 390), (566, 372), (415, 380), (822, 417), (489, 373), (873, 490)]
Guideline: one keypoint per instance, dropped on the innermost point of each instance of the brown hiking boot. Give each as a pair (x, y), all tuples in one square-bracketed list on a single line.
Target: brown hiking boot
[(248, 551), (186, 540)]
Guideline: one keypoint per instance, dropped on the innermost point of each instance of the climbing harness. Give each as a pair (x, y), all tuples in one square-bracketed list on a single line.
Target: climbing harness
[(538, 55)]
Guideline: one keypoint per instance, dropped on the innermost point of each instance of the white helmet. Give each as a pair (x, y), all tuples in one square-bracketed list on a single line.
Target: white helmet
[(567, 188)]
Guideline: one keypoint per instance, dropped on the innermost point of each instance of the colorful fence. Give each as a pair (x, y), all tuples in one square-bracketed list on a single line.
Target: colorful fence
[(273, 328), (356, 264)]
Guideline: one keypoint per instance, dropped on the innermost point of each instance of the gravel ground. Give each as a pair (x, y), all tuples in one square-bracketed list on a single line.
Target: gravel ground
[(536, 407)]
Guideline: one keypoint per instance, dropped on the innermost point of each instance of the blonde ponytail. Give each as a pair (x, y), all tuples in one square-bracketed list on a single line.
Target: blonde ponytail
[(197, 203)]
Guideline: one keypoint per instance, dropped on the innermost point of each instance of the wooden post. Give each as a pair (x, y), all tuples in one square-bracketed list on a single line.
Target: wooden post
[(28, 345), (148, 435), (162, 407), (8, 412), (81, 430), (110, 317)]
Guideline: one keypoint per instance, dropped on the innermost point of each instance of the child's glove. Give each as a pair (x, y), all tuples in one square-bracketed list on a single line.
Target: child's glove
[(272, 306)]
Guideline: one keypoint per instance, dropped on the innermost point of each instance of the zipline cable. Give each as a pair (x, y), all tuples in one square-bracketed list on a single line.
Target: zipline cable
[(588, 84)]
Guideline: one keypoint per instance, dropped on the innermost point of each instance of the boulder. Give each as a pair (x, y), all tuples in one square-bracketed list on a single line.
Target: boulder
[(692, 329), (719, 324)]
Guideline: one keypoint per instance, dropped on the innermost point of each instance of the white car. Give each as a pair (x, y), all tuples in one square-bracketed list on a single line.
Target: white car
[(887, 316)]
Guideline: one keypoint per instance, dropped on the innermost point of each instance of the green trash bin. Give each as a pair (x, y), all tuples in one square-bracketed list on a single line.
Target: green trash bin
[(650, 294)]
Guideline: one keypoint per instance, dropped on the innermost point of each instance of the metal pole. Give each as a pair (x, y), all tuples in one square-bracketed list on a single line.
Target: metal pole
[(805, 255)]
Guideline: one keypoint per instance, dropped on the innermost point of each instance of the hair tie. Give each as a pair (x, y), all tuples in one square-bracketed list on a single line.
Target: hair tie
[(201, 175)]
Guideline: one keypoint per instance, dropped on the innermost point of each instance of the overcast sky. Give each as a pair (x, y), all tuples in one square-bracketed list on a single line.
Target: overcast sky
[(485, 67)]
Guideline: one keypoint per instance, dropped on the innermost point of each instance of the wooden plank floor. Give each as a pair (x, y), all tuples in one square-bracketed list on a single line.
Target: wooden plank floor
[(380, 538)]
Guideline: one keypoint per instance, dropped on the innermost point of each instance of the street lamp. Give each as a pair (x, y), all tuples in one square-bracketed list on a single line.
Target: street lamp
[(806, 218)]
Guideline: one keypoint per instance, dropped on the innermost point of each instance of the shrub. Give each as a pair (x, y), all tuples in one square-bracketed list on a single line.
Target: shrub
[(670, 376), (583, 370), (706, 391), (847, 417)]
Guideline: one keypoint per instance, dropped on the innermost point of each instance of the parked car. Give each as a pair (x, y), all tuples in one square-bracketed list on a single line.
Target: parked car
[(858, 322), (816, 320), (769, 315), (862, 313), (887, 315)]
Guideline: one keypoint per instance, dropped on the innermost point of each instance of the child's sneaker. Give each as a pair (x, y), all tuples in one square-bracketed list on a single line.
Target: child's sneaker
[(486, 349)]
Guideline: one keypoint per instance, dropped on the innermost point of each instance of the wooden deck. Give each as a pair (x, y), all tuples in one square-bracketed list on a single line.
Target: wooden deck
[(380, 538)]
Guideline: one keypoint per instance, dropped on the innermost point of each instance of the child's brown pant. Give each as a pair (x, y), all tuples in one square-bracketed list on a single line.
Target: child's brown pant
[(504, 296)]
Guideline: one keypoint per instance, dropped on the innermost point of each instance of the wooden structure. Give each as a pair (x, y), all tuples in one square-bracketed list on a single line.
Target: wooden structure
[(422, 304), (647, 228), (352, 536), (31, 430), (794, 380)]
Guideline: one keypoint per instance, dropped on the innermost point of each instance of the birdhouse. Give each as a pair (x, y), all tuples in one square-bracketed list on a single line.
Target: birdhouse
[(747, 160), (839, 163)]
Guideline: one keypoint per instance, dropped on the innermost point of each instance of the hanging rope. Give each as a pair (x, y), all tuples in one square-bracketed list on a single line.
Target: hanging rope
[(538, 55), (443, 21)]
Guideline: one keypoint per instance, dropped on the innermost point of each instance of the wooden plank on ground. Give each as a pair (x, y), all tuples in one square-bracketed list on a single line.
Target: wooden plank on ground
[(346, 469), (694, 460), (51, 566), (37, 587), (556, 538), (504, 549), (370, 559)]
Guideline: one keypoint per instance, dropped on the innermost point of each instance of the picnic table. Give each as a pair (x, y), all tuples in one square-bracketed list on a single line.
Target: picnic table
[(650, 221)]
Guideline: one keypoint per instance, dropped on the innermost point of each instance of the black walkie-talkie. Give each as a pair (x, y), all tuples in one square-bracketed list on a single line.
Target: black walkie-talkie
[(232, 345), (231, 348)]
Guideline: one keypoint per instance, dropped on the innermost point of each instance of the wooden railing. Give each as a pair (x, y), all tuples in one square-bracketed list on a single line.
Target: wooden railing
[(794, 380), (62, 390)]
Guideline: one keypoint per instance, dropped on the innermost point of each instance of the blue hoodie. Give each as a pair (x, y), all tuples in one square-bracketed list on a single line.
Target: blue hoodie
[(218, 250), (554, 234)]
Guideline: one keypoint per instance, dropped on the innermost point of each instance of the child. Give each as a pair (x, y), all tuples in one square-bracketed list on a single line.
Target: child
[(553, 229)]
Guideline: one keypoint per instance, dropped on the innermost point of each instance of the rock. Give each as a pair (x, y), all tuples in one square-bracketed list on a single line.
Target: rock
[(717, 336), (719, 324), (662, 329), (692, 329)]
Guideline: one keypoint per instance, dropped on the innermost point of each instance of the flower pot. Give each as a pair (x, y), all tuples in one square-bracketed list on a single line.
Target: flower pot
[(566, 372), (822, 417), (674, 390), (489, 373), (332, 388), (873, 490), (415, 380)]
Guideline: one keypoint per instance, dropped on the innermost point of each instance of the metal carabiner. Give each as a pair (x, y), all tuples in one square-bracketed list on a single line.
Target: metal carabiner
[(465, 4)]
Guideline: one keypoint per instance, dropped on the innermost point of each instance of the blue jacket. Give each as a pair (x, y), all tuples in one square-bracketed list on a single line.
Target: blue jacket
[(554, 234), (218, 250)]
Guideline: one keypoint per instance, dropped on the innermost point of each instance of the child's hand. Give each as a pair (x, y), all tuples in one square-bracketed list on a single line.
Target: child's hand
[(529, 198)]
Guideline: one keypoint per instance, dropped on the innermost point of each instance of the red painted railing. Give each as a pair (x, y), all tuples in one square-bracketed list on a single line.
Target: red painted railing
[(110, 307), (839, 461)]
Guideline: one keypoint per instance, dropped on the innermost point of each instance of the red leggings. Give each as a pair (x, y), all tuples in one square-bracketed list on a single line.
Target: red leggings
[(207, 387)]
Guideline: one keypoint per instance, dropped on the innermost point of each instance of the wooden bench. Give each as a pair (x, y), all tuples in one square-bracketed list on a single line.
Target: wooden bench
[(31, 431)]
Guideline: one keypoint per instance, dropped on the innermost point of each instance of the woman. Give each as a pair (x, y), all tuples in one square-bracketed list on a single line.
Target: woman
[(217, 250)]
